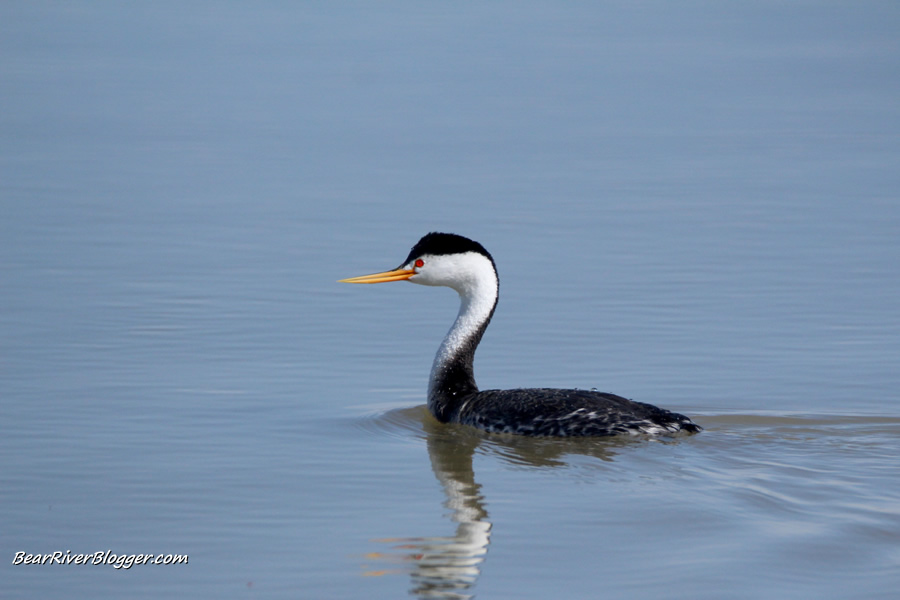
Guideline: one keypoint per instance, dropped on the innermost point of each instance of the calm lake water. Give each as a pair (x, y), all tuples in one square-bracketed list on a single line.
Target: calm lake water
[(695, 205)]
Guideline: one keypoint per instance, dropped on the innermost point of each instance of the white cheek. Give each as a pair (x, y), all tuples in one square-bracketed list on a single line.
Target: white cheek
[(465, 273), (425, 277), (436, 270)]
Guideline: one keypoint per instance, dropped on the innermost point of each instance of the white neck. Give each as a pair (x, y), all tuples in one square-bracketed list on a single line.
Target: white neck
[(475, 308), (473, 276)]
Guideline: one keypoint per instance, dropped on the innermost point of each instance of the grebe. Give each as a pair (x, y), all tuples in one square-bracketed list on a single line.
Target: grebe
[(451, 260)]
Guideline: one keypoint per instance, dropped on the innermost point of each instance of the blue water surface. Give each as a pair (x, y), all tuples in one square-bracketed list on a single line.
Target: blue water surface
[(695, 205)]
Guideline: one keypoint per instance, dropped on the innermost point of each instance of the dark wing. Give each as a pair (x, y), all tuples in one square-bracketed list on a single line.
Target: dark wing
[(558, 412)]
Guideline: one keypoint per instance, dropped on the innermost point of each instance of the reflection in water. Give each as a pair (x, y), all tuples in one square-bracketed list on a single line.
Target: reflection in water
[(803, 480), (448, 566)]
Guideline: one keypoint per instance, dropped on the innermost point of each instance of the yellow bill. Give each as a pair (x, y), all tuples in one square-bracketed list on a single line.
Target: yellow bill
[(383, 277)]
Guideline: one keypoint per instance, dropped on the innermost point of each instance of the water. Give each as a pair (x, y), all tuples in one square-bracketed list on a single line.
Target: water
[(695, 206)]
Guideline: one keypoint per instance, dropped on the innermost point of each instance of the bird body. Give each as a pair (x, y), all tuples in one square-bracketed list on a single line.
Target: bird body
[(450, 260)]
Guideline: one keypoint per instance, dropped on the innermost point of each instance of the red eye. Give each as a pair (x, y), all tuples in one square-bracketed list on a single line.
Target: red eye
[(420, 262)]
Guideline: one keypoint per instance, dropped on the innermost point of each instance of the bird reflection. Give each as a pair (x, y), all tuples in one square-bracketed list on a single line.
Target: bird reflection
[(449, 566)]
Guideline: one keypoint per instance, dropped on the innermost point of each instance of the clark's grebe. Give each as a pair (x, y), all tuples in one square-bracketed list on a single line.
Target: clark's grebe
[(457, 262)]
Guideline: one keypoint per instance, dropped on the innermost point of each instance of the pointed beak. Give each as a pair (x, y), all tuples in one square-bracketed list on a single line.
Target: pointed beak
[(383, 277)]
